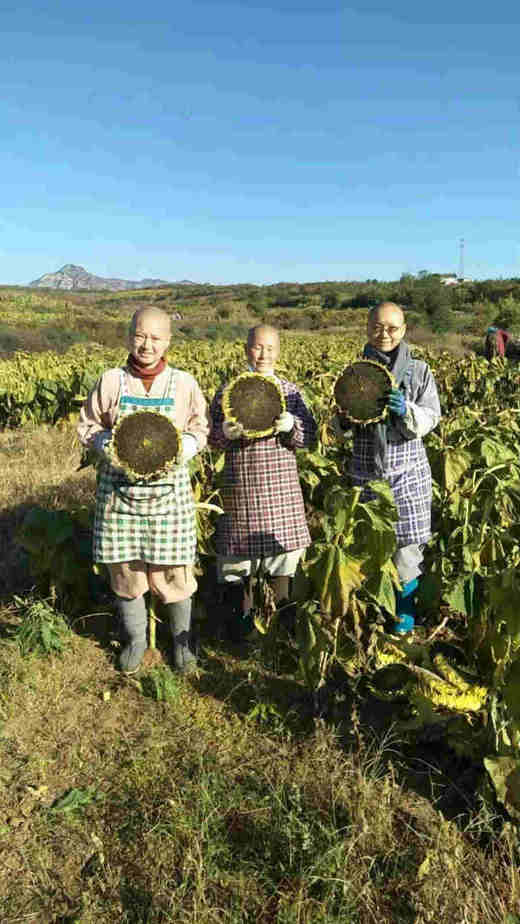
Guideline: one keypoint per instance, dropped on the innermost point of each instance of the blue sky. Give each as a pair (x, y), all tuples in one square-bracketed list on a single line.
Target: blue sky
[(259, 141)]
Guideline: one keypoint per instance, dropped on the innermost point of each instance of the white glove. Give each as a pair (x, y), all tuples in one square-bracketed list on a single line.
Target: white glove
[(190, 447), (232, 431), (337, 429), (284, 423)]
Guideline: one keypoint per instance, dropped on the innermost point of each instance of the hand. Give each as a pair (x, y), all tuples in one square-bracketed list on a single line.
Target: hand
[(284, 423), (340, 427), (108, 455), (101, 440), (232, 430), (190, 447), (397, 402)]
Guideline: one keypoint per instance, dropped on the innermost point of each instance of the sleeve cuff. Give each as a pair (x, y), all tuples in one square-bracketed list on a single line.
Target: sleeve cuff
[(190, 447)]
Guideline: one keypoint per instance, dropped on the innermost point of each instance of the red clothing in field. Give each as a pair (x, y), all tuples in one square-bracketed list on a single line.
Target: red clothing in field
[(262, 498), (502, 338)]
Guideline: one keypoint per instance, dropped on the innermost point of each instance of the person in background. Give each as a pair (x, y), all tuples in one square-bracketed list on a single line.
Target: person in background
[(264, 523), (496, 342), (145, 534), (393, 449)]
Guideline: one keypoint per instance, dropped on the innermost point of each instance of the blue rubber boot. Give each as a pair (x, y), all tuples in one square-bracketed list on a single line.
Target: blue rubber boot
[(405, 608)]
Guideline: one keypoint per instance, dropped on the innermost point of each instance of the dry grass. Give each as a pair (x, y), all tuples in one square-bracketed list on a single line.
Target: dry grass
[(196, 814), (227, 805), (38, 466)]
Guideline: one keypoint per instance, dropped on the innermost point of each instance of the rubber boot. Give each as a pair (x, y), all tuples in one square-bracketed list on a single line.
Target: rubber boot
[(238, 622), (132, 620), (179, 615), (405, 608)]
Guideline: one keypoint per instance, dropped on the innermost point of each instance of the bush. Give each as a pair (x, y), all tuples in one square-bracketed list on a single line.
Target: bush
[(508, 315), (482, 315), (442, 320), (330, 300), (257, 306), (42, 631)]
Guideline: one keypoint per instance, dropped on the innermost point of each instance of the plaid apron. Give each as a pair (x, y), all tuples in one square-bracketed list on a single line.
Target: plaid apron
[(407, 471), (261, 494), (152, 522)]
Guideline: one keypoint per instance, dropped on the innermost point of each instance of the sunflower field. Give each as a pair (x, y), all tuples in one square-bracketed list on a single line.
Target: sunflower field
[(458, 676)]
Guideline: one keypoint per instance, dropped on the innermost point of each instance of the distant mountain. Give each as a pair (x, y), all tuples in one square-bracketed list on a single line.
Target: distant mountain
[(76, 277)]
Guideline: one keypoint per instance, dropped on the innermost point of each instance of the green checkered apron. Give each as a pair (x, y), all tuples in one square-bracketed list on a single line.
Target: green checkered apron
[(153, 521)]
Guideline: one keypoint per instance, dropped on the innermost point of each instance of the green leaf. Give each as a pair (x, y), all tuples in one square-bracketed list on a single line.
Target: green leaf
[(72, 801), (463, 596), (505, 776), (429, 592), (340, 520), (313, 644), (495, 452), (456, 464), (381, 588)]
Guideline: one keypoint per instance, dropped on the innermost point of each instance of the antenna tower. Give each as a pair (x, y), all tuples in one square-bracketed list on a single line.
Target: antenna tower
[(461, 260)]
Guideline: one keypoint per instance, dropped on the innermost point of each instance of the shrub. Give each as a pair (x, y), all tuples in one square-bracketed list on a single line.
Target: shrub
[(330, 300), (508, 315), (442, 320), (257, 306), (42, 631)]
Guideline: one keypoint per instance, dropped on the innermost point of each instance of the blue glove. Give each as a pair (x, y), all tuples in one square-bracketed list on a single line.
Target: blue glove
[(397, 403)]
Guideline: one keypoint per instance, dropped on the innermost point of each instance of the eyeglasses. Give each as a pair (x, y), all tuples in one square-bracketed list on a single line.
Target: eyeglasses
[(381, 329)]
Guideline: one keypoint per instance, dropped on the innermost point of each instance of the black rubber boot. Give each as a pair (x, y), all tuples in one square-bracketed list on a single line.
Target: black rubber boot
[(238, 623), (179, 615)]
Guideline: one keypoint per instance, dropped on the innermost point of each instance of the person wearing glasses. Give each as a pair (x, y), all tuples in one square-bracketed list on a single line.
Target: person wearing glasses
[(393, 449)]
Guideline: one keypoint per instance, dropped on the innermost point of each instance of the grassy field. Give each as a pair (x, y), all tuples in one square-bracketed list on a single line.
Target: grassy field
[(222, 801)]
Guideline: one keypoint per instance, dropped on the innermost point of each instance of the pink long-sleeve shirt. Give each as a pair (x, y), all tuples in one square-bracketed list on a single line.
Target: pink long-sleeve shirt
[(98, 414)]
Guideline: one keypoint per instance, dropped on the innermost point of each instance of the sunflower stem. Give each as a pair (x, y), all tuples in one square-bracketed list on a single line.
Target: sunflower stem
[(152, 622)]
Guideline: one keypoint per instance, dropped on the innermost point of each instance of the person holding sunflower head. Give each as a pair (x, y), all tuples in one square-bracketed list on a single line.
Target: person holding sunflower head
[(144, 532), (264, 524), (393, 449)]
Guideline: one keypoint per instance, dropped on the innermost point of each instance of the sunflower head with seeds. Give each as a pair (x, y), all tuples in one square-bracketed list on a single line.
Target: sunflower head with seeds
[(146, 445), (361, 392), (255, 401)]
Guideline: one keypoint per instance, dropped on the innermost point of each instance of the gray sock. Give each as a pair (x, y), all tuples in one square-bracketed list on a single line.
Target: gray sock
[(179, 615), (132, 617)]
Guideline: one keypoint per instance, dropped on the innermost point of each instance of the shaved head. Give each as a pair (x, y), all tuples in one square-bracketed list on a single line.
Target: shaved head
[(386, 326), (149, 335), (374, 313), (260, 330), (151, 313), (263, 348)]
